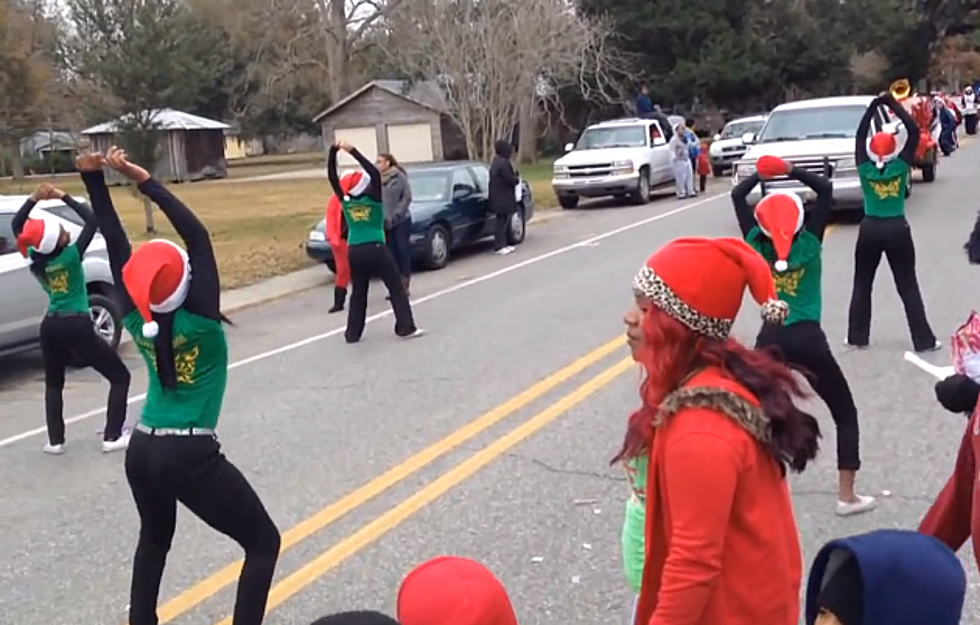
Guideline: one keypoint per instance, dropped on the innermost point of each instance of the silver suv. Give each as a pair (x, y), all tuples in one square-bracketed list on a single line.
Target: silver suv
[(23, 302)]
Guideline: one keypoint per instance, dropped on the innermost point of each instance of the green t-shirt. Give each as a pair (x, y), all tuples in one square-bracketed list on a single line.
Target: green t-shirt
[(365, 220), (884, 189), (64, 282), (800, 285), (634, 525), (201, 359)]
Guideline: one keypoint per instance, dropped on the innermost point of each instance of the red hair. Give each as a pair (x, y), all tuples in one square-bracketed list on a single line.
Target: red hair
[(672, 352)]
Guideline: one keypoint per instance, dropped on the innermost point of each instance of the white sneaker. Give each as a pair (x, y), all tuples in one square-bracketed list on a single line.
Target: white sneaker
[(847, 344), (504, 251), (54, 450), (117, 445), (865, 503), (414, 335), (935, 348)]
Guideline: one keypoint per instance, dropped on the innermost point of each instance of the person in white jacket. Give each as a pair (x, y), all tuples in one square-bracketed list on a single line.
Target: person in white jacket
[(681, 162), (968, 104)]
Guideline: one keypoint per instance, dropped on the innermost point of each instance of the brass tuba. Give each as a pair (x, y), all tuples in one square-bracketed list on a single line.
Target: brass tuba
[(900, 89)]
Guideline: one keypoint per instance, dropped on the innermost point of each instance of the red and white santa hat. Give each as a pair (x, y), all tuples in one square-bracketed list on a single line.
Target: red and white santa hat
[(157, 278), (39, 234), (882, 148), (449, 590), (701, 282), (780, 216), (354, 183)]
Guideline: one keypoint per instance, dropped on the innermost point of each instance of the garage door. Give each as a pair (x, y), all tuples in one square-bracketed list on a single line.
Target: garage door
[(364, 139), (411, 143)]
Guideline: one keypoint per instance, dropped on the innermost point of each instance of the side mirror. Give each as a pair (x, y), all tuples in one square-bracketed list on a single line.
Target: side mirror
[(748, 138), (461, 192), (569, 147), (717, 137)]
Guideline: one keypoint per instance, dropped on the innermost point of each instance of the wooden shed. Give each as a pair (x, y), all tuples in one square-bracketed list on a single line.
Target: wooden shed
[(405, 119), (191, 147)]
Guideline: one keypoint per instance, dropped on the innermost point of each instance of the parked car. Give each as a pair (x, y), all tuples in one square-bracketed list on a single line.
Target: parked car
[(622, 158), (727, 146), (23, 302), (817, 135), (449, 210)]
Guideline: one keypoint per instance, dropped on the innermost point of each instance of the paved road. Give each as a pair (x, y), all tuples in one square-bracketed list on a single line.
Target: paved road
[(396, 452)]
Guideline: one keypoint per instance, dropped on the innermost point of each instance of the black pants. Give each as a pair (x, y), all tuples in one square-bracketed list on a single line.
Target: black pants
[(893, 238), (804, 347), (68, 340), (163, 470), (500, 225), (970, 121), (397, 238), (373, 260)]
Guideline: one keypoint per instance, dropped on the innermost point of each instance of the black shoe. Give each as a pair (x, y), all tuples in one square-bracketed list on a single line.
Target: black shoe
[(339, 297)]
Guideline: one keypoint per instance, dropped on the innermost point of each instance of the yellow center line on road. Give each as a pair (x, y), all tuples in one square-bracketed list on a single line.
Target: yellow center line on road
[(213, 584), (388, 521)]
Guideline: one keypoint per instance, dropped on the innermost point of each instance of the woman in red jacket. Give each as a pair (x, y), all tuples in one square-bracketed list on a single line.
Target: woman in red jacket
[(720, 428), (337, 238)]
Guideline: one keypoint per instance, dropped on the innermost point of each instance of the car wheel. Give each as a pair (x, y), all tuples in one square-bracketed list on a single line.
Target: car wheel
[(331, 265), (517, 228), (437, 245), (568, 201), (106, 318), (642, 193)]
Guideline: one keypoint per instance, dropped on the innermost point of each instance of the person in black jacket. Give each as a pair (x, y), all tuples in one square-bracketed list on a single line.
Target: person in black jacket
[(502, 194), (68, 337)]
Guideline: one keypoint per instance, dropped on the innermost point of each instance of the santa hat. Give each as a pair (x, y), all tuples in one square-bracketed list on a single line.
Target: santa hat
[(354, 183), (701, 282), (780, 216), (882, 147), (39, 234), (157, 278), (453, 591)]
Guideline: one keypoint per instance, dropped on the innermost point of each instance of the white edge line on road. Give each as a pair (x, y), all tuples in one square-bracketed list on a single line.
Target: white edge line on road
[(447, 291)]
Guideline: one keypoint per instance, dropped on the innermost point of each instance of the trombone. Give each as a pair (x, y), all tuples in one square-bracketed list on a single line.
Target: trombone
[(900, 89)]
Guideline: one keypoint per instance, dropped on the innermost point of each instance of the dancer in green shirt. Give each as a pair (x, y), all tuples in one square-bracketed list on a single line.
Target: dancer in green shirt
[(884, 172), (171, 301)]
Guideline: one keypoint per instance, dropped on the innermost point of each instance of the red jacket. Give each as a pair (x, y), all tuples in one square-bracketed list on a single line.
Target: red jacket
[(955, 515), (722, 544), (336, 230), (704, 164)]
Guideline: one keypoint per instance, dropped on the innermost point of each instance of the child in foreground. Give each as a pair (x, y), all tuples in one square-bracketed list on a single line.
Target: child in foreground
[(885, 577)]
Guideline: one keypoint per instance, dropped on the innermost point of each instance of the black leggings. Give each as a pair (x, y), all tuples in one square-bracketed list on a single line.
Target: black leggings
[(70, 340), (398, 241), (804, 347), (892, 237), (163, 470), (373, 260), (500, 225)]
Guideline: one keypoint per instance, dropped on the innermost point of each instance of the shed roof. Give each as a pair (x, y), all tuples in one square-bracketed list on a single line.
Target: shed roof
[(166, 119), (424, 93)]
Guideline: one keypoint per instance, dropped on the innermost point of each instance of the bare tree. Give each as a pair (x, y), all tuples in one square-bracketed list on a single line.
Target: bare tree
[(497, 59)]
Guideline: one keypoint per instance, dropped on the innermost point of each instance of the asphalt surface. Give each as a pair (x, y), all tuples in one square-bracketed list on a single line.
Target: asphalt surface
[(314, 422)]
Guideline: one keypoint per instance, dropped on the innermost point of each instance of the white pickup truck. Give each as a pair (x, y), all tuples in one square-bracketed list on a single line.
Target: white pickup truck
[(817, 135), (623, 158)]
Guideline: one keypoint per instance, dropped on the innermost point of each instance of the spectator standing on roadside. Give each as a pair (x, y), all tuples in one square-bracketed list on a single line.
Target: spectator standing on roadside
[(502, 196), (681, 162), (644, 105), (396, 195), (693, 147), (704, 167)]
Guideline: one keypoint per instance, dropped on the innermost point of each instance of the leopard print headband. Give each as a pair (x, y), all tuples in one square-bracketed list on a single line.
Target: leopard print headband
[(651, 286)]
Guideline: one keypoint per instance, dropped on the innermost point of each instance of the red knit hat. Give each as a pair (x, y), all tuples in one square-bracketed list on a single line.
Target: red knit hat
[(701, 282), (354, 183), (769, 167), (41, 235), (882, 147), (780, 216), (453, 591), (157, 278)]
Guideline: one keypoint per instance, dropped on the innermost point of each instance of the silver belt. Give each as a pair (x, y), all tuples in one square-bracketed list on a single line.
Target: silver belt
[(175, 431)]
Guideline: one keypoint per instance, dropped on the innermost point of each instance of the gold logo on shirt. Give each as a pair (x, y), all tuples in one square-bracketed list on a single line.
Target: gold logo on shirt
[(788, 282), (360, 214), (58, 281), (186, 364), (886, 189)]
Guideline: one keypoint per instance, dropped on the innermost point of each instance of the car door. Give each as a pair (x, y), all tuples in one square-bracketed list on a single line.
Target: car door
[(481, 173), (22, 302), (470, 212), (660, 155)]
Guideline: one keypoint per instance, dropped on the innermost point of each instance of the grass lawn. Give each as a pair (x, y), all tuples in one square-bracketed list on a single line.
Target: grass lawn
[(258, 227)]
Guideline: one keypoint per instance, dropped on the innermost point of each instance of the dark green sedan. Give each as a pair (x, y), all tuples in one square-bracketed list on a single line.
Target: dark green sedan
[(449, 210)]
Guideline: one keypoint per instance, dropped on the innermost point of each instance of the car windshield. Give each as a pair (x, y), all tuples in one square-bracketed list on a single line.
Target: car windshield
[(429, 186), (735, 130), (613, 137), (827, 122), (65, 213)]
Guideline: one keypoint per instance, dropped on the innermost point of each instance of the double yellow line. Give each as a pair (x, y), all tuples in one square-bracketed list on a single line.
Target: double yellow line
[(295, 582)]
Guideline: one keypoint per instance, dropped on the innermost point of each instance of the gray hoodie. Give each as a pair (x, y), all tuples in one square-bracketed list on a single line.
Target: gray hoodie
[(396, 195)]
